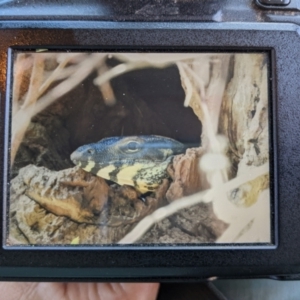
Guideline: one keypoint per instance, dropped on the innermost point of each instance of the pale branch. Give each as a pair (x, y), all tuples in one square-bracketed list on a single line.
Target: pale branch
[(158, 60), (198, 80), (55, 74), (105, 88), (19, 69), (21, 118), (33, 105), (195, 84), (188, 84), (211, 129), (239, 217), (84, 69), (120, 70), (214, 144), (66, 72), (35, 81)]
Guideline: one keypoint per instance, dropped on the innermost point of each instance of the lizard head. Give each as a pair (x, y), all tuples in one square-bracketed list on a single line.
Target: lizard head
[(121, 159), (127, 150)]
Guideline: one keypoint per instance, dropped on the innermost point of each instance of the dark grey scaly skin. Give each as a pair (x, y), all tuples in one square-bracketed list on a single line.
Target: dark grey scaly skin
[(139, 161)]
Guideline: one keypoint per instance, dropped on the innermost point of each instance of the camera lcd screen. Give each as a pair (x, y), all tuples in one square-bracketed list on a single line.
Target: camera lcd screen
[(138, 148)]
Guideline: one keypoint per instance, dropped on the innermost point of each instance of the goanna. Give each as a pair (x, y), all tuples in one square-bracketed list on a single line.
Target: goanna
[(138, 161)]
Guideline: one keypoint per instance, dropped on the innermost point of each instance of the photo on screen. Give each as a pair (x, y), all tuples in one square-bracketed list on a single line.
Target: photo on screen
[(139, 148)]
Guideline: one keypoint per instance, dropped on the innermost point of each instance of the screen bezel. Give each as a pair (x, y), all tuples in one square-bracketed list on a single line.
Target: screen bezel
[(218, 246), (137, 264)]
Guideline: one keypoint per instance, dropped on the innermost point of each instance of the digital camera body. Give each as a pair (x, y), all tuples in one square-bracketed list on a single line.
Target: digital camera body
[(182, 26)]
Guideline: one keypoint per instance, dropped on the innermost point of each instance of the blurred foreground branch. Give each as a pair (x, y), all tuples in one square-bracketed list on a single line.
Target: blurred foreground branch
[(205, 196), (34, 103)]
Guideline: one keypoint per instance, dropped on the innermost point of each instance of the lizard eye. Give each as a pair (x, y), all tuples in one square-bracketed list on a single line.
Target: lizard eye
[(91, 151), (132, 147)]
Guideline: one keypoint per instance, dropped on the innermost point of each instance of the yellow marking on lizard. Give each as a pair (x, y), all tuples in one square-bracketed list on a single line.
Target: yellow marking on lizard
[(127, 173), (104, 172), (89, 166), (167, 152), (149, 177)]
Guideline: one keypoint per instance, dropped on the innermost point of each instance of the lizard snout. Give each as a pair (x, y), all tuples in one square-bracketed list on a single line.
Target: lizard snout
[(76, 157)]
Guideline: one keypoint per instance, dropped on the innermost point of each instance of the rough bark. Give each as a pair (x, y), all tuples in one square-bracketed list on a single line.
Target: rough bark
[(46, 204), (244, 116)]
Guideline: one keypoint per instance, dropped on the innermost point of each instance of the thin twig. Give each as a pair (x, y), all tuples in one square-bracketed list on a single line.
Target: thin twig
[(84, 69), (55, 74), (105, 88), (195, 87), (66, 72), (157, 60), (188, 84), (21, 119), (35, 81), (19, 70), (214, 144), (122, 69), (205, 196)]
